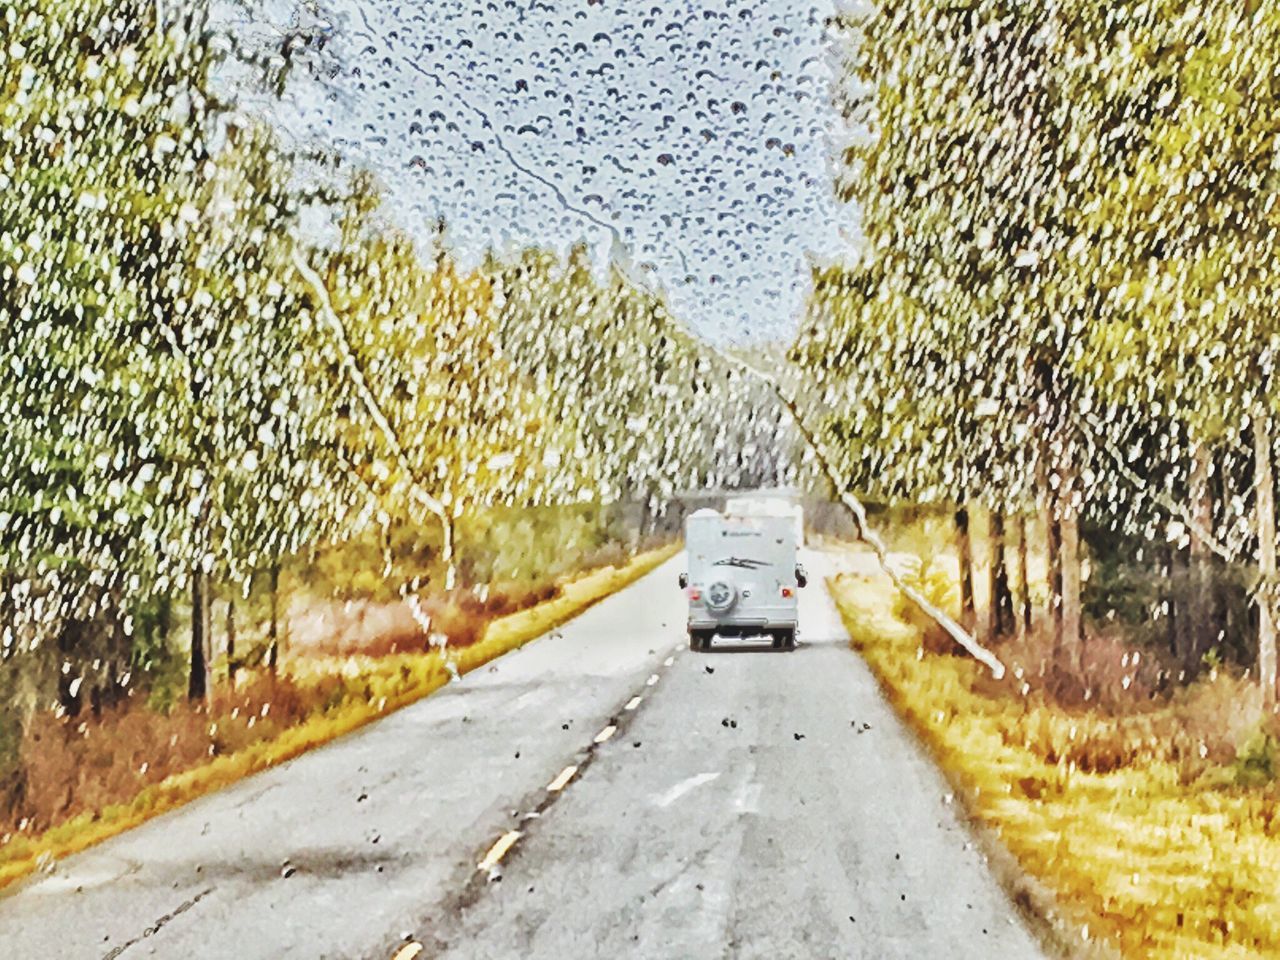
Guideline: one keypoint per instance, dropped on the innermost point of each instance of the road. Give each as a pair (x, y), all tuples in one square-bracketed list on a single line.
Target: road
[(744, 804)]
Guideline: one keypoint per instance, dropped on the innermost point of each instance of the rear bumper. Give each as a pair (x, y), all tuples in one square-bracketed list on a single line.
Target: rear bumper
[(741, 628)]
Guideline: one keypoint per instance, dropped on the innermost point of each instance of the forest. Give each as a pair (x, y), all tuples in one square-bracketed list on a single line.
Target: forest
[(1048, 375), (1063, 318), (1054, 362), (224, 427)]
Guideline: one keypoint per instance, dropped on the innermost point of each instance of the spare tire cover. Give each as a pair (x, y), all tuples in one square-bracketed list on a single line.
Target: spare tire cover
[(720, 595)]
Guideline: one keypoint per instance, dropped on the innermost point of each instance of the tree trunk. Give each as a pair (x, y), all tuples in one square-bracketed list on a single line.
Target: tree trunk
[(164, 620), (447, 534), (1001, 597), (231, 641), (985, 615), (1175, 618), (273, 630), (198, 682), (1053, 554), (1069, 565), (1024, 581), (1266, 519), (1201, 613), (964, 552), (8, 617)]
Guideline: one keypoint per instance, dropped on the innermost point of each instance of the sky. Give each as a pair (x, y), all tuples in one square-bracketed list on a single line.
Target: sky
[(689, 141)]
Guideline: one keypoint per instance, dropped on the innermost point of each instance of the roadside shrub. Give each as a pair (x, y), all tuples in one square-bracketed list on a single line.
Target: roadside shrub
[(462, 626), (74, 765), (1105, 672), (1258, 762), (1154, 805), (925, 572), (1219, 713), (608, 555), (86, 777)]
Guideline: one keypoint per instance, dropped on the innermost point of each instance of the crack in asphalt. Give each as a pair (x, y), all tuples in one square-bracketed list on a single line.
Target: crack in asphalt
[(699, 859), (155, 927)]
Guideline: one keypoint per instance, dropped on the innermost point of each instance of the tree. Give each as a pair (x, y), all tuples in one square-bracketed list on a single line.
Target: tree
[(1078, 191), (108, 168)]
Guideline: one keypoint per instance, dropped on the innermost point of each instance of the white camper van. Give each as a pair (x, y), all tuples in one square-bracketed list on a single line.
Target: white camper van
[(768, 506), (743, 577)]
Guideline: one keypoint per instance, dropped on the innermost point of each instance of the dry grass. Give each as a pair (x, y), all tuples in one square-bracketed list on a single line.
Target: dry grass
[(1157, 825), (100, 778), (374, 628)]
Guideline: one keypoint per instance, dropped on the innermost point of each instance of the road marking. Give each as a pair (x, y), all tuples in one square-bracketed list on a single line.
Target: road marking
[(535, 696), (408, 951), (499, 850), (559, 782), (606, 733), (651, 681), (683, 787), (667, 662), (633, 703), (748, 798)]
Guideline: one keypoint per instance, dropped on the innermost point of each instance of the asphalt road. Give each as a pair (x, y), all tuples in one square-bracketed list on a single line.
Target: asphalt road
[(737, 804)]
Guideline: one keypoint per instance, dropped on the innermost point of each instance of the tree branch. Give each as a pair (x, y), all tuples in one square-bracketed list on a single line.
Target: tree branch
[(356, 375), (868, 535)]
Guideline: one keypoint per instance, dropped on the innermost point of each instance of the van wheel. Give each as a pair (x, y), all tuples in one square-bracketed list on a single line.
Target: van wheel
[(787, 639), (699, 640)]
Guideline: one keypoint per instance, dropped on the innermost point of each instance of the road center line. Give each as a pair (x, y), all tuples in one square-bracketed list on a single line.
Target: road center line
[(408, 951), (563, 778), (499, 850), (508, 840)]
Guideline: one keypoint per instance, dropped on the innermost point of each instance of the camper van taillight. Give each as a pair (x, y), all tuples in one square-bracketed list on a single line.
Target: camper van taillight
[(786, 592), (695, 593)]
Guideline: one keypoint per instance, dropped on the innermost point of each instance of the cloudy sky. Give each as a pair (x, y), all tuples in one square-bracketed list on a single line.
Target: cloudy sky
[(688, 138)]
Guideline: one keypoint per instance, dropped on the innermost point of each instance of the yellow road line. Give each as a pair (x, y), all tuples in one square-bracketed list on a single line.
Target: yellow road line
[(633, 703), (499, 849), (559, 782), (408, 951), (651, 681), (606, 733)]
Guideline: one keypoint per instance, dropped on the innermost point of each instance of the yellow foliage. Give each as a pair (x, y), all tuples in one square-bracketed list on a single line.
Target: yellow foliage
[(1160, 867)]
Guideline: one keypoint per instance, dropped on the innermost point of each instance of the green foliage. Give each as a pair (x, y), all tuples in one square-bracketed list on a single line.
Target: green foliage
[(919, 544), (650, 410), (182, 393), (1067, 296), (1030, 199), (1257, 763)]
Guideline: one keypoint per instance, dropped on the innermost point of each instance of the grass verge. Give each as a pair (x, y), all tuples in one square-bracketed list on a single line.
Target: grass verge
[(1124, 849), (350, 692)]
